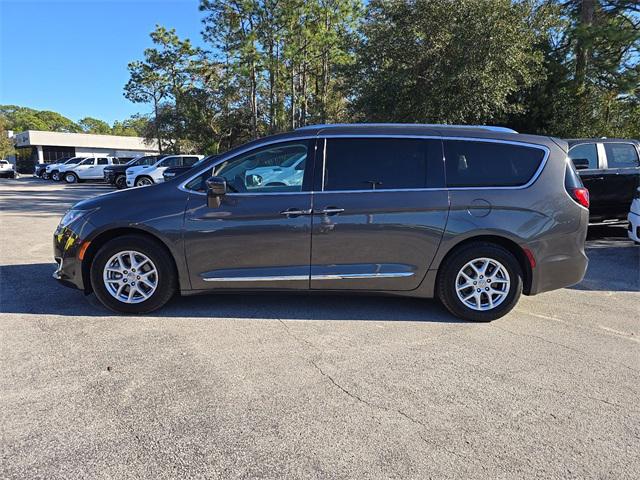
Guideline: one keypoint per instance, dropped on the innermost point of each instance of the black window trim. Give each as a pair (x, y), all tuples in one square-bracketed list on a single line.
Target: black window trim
[(321, 145)]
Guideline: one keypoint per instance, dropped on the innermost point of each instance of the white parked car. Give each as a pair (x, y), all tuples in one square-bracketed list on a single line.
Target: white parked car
[(149, 174), (289, 172), (52, 171), (87, 169), (6, 169), (634, 218)]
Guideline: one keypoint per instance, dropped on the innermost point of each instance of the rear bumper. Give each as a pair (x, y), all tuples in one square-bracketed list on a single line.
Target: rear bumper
[(561, 260)]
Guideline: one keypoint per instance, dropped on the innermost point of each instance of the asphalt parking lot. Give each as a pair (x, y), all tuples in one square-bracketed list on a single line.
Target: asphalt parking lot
[(235, 386)]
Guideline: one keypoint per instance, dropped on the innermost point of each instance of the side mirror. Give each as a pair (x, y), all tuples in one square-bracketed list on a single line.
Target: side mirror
[(216, 188), (580, 163)]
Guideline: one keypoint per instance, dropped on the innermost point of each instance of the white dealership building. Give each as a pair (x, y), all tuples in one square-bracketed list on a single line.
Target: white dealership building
[(36, 146)]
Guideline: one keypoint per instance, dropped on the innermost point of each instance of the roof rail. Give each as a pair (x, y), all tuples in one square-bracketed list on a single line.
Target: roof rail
[(428, 125)]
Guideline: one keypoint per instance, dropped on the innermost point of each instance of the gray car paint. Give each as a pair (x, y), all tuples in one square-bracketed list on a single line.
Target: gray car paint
[(402, 231)]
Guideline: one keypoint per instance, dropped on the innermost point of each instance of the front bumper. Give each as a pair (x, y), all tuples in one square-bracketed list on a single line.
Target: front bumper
[(634, 227), (67, 242)]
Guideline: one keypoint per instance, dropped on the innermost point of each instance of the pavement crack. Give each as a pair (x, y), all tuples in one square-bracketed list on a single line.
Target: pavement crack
[(294, 336)]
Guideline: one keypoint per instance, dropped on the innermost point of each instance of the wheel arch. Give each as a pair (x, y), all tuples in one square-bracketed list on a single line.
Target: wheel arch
[(507, 243), (103, 237)]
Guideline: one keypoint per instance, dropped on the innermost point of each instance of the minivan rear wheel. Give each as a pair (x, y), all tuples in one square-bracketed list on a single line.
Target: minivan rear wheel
[(133, 274), (480, 282)]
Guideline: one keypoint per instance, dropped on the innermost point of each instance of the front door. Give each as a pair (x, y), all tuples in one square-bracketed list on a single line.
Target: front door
[(380, 215), (260, 235), (86, 168)]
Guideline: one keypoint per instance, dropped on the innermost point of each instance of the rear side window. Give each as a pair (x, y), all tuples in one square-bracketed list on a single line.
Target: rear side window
[(189, 161), (621, 155), (379, 163), (103, 161), (586, 151), (490, 164), (170, 162)]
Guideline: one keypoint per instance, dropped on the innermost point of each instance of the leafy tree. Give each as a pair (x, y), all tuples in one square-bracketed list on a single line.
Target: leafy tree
[(163, 79), (6, 145), (439, 61), (23, 118), (93, 125), (134, 126)]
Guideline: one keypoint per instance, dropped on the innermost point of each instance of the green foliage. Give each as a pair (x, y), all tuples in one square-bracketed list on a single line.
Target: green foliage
[(23, 118), (557, 67), (93, 125), (6, 145), (439, 61)]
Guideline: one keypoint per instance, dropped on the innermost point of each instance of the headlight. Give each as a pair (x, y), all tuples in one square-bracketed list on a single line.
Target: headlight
[(71, 216)]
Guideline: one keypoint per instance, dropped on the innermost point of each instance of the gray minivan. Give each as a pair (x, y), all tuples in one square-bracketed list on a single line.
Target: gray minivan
[(474, 216)]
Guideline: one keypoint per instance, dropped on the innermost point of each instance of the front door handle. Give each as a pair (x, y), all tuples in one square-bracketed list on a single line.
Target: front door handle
[(294, 212), (329, 211)]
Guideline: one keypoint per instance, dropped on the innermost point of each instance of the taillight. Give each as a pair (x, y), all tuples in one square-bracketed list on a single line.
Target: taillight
[(581, 195)]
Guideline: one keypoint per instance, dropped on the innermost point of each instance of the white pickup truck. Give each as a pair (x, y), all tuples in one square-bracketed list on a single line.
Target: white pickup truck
[(6, 169)]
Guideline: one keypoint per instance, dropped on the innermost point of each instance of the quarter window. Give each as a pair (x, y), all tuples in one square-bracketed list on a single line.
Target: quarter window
[(490, 164), (376, 163), (587, 151), (621, 155)]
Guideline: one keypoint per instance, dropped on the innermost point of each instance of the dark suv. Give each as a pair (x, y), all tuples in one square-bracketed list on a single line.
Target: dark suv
[(610, 169), (115, 174), (472, 215)]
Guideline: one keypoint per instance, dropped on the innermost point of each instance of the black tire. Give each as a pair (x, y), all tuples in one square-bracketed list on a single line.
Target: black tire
[(45, 176), (156, 253), (448, 273), (139, 181), (55, 176), (121, 182), (71, 177)]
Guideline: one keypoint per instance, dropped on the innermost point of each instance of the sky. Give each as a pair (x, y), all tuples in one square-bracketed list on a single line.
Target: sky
[(71, 56)]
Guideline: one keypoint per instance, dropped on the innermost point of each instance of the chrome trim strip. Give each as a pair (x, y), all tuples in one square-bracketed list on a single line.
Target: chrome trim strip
[(335, 276), (436, 137), (345, 276), (281, 278)]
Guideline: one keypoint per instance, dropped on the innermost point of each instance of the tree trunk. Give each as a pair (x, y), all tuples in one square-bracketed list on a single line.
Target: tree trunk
[(585, 21), (155, 124)]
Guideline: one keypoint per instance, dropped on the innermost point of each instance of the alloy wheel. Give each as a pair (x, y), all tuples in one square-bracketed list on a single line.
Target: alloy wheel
[(482, 284), (130, 277)]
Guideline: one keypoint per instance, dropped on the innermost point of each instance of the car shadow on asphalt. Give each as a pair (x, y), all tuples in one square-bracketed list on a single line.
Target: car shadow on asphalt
[(19, 293), (614, 260)]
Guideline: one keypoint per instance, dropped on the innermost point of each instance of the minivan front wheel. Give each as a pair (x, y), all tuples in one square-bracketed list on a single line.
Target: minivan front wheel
[(133, 274), (480, 282)]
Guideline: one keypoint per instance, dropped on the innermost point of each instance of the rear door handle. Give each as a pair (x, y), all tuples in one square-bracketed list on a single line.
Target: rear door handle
[(294, 212), (329, 211)]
